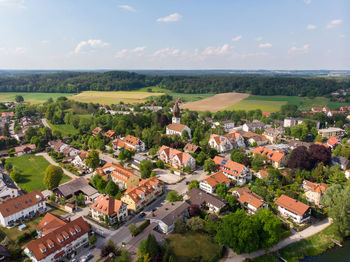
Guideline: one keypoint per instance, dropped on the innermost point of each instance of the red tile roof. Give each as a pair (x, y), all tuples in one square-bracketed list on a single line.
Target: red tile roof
[(110, 133), (273, 155), (292, 205), (49, 223), (333, 141), (216, 178), (229, 166), (171, 153), (318, 188), (107, 205), (176, 127), (248, 197)]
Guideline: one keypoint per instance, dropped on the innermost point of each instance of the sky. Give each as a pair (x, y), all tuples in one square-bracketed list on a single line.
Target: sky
[(175, 34)]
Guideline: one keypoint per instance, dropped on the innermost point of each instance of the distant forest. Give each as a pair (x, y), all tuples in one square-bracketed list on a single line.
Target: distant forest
[(75, 82)]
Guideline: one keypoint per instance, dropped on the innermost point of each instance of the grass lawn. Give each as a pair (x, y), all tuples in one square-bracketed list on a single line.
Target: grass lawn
[(311, 246), (65, 129), (33, 170), (265, 106), (186, 247), (33, 98)]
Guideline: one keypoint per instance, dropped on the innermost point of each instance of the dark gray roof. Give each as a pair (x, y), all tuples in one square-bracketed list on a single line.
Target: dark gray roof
[(169, 212), (75, 186), (200, 197)]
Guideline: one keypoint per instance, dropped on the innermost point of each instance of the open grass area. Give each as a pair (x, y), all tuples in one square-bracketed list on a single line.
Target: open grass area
[(312, 246), (33, 169), (33, 98), (113, 97), (65, 129), (265, 106), (188, 246)]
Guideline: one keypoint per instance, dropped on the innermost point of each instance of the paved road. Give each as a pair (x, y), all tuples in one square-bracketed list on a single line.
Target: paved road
[(308, 232), (43, 120), (108, 158), (52, 162)]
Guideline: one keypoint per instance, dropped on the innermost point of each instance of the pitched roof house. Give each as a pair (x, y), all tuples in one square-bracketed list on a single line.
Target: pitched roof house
[(249, 200), (191, 148), (110, 134), (176, 158), (177, 129), (129, 142), (24, 149), (296, 210), (333, 142), (234, 171), (108, 206), (277, 158), (97, 130), (253, 126), (75, 187), (314, 191), (48, 224), (199, 197), (209, 183)]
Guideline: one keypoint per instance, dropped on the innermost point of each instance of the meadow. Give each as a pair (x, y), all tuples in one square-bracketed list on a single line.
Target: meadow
[(32, 98), (64, 129), (33, 169)]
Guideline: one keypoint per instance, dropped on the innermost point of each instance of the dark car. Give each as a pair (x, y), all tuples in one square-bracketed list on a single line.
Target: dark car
[(142, 214), (187, 182)]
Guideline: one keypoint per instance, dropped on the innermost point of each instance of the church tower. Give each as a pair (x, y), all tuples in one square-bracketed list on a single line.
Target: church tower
[(176, 114)]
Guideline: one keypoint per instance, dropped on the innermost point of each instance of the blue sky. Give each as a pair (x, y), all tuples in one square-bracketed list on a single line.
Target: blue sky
[(175, 34)]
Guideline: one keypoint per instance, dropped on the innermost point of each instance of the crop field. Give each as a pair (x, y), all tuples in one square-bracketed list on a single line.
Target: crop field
[(215, 103), (264, 106), (33, 98), (113, 97)]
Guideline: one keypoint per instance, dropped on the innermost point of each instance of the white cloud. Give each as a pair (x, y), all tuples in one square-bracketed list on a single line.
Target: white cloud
[(44, 42), (334, 23), (221, 50), (127, 8), (124, 52), (265, 45), (90, 44), (170, 18), (167, 52), (237, 38), (12, 50), (12, 3), (311, 27), (301, 50), (307, 2), (259, 39)]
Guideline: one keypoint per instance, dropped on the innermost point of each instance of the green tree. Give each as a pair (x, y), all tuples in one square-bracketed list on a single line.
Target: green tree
[(81, 200), (53, 197), (92, 239), (16, 175), (93, 159), (132, 229), (63, 200), (237, 155), (53, 176), (149, 246), (173, 196), (19, 98), (209, 166), (111, 188), (258, 162), (180, 226), (221, 190), (146, 167), (195, 224), (193, 184), (160, 164)]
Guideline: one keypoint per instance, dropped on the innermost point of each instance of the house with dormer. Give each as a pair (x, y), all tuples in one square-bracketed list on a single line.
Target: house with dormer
[(108, 206), (176, 158), (277, 158), (129, 142)]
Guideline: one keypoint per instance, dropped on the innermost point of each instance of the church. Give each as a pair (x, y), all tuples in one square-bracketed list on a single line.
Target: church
[(176, 128)]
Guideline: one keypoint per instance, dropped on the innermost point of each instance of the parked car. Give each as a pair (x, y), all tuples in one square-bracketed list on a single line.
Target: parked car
[(142, 214)]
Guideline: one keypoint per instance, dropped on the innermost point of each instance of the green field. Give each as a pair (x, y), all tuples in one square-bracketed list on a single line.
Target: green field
[(264, 106), (33, 170), (33, 98), (65, 129), (188, 246)]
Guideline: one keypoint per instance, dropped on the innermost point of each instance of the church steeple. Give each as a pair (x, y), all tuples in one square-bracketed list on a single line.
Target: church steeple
[(176, 114)]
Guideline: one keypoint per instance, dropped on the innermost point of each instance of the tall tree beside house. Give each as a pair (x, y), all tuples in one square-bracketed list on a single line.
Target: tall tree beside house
[(81, 200), (146, 167), (209, 166), (53, 176), (93, 159), (195, 223), (221, 190), (320, 154), (258, 162), (111, 188), (300, 158), (19, 98), (193, 184), (173, 196), (149, 246)]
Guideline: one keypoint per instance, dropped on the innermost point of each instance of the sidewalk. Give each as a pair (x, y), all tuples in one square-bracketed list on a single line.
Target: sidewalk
[(308, 232)]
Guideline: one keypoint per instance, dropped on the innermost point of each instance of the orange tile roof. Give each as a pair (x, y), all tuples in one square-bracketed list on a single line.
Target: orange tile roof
[(263, 173), (292, 205), (145, 186), (229, 166), (273, 155), (318, 188), (333, 141), (321, 144), (110, 133), (97, 130), (176, 127), (191, 148), (216, 178), (171, 153), (107, 205), (49, 223), (248, 197), (129, 142)]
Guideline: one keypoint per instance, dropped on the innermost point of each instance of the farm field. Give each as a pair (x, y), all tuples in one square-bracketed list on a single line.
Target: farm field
[(33, 169), (65, 129), (33, 98), (264, 106), (215, 103), (185, 247)]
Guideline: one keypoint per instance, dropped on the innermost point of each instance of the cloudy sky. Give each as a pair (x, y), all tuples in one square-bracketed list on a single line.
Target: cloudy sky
[(174, 34)]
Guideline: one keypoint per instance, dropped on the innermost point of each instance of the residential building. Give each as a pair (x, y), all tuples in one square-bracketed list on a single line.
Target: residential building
[(97, 130), (262, 174), (191, 148), (129, 142), (333, 142), (7, 115), (249, 200), (48, 224), (176, 128), (296, 210), (314, 191), (124, 177), (331, 132), (291, 121), (8, 188), (295, 143), (152, 108), (79, 159), (16, 210), (253, 126), (137, 158), (110, 134), (139, 196), (341, 161), (234, 171), (253, 138), (228, 125), (278, 159), (167, 214), (108, 206), (204, 200), (209, 183), (75, 187), (56, 245), (220, 143), (274, 134), (24, 149), (176, 158), (67, 150)]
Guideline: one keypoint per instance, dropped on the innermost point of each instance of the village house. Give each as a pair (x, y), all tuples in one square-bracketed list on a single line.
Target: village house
[(67, 150), (296, 210), (48, 224), (204, 200), (110, 134), (191, 148), (124, 177), (97, 130), (253, 126), (209, 183), (16, 210), (79, 159), (341, 161), (331, 132), (129, 142), (234, 171), (176, 128), (7, 115), (227, 142), (75, 187), (176, 158), (114, 209), (139, 196), (228, 125), (314, 191), (152, 108), (56, 245), (8, 189), (24, 149), (253, 138), (333, 142), (136, 160), (249, 200), (274, 134), (167, 214), (278, 159), (262, 174)]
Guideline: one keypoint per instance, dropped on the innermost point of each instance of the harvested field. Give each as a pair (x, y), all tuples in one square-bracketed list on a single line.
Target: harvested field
[(215, 103)]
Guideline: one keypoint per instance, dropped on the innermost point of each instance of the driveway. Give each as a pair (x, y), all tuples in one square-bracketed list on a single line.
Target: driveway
[(108, 158), (52, 162)]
